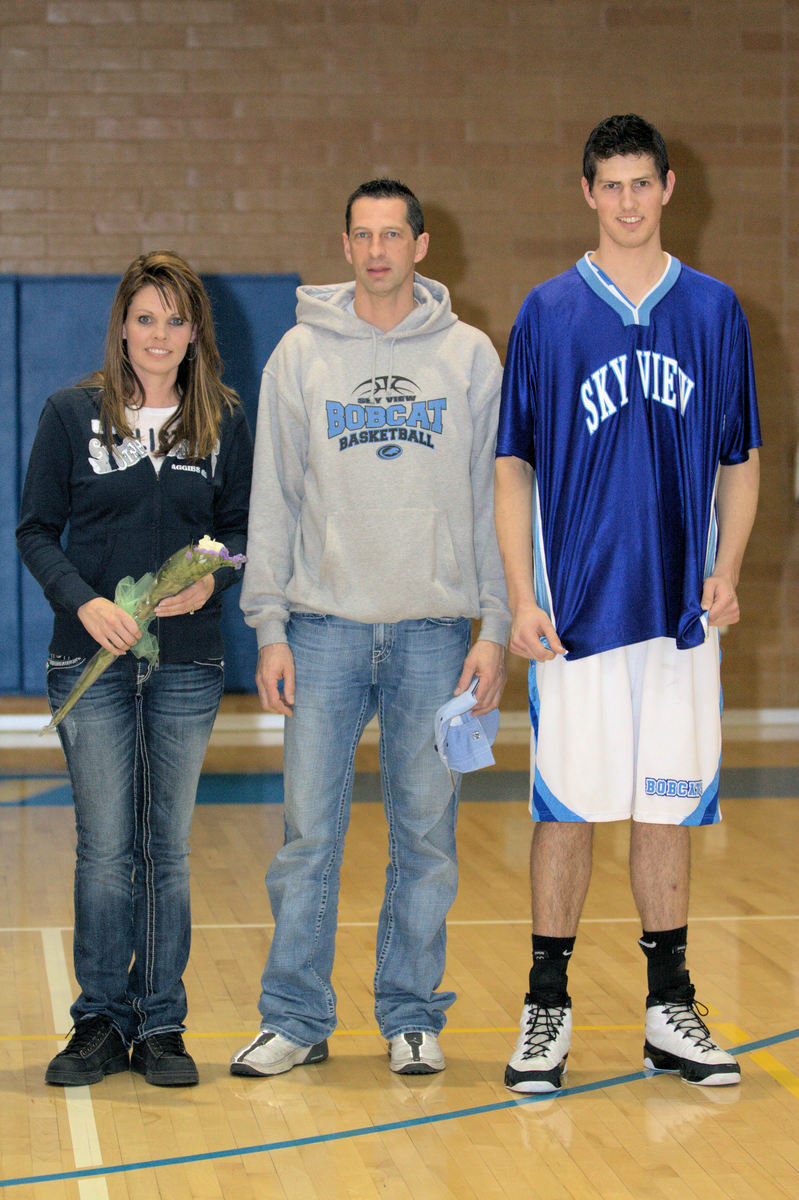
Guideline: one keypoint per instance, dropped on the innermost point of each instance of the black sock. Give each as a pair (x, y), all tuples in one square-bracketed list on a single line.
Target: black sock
[(667, 974), (548, 984)]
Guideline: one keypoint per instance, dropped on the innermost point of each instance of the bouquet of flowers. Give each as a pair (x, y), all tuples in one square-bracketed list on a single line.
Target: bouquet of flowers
[(141, 598)]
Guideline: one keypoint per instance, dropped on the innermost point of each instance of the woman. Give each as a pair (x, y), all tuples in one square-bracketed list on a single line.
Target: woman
[(145, 457)]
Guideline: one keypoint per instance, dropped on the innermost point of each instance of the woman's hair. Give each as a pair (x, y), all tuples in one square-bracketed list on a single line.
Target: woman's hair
[(203, 396)]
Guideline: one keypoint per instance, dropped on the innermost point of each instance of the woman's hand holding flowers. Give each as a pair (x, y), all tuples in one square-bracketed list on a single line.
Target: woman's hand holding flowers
[(114, 629), (189, 600)]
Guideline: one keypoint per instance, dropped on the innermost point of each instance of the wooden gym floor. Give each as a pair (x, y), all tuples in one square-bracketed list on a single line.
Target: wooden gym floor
[(348, 1128)]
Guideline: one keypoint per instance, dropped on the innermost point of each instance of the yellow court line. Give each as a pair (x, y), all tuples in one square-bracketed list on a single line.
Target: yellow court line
[(763, 1058), (448, 1030), (243, 1033), (265, 926), (734, 1034), (636, 1027), (776, 1070)]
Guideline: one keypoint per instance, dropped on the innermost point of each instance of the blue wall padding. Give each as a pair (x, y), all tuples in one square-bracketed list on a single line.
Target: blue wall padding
[(10, 568), (52, 333)]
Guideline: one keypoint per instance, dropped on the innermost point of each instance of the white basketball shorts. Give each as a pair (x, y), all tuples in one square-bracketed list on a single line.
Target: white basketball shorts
[(632, 732)]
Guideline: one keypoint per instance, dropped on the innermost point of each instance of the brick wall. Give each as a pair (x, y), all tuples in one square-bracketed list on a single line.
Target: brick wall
[(233, 130)]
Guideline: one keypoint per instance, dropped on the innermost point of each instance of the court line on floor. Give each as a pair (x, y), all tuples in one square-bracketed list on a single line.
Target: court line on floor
[(767, 1062), (694, 920), (366, 1130), (773, 1067), (80, 1111), (374, 1032)]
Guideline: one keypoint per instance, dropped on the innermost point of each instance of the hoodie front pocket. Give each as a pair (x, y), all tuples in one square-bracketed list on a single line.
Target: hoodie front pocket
[(390, 558)]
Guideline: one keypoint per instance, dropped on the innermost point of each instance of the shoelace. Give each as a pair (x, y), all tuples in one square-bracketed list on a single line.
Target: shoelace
[(543, 1027), (86, 1032), (170, 1042), (686, 1018)]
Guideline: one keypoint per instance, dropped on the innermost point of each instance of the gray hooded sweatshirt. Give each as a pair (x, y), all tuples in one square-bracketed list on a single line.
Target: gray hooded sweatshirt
[(372, 494)]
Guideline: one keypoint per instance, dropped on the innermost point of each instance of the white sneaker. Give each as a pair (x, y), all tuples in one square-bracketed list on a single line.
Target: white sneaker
[(272, 1054), (678, 1042), (538, 1062), (416, 1054)]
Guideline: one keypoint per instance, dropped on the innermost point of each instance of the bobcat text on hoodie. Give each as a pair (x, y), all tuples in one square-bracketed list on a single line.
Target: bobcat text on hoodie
[(372, 489)]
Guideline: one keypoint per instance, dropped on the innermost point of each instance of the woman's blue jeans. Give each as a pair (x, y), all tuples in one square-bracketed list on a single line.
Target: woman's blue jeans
[(346, 672), (134, 745)]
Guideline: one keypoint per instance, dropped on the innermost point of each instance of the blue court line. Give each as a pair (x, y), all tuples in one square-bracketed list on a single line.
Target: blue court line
[(266, 787), (365, 1130), (258, 788)]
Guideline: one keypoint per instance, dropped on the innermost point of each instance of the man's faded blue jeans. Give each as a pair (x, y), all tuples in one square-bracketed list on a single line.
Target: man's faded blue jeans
[(346, 672)]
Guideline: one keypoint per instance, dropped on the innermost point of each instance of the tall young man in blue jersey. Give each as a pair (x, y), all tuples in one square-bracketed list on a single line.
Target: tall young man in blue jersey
[(625, 492)]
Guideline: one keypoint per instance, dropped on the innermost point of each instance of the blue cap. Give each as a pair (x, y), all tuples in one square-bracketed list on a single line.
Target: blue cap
[(464, 741)]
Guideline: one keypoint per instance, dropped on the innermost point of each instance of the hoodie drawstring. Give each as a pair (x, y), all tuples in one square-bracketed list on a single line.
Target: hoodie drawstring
[(390, 376)]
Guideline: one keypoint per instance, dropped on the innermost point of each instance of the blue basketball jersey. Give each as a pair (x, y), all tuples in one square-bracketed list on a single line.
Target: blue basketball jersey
[(625, 414)]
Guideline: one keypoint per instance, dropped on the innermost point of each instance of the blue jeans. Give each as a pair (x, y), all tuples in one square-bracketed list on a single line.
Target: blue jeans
[(346, 672), (134, 745)]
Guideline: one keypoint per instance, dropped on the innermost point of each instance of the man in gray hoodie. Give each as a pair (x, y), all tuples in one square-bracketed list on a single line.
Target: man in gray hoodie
[(371, 548)]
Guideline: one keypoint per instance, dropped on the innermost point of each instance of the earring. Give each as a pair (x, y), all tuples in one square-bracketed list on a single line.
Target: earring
[(191, 357)]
